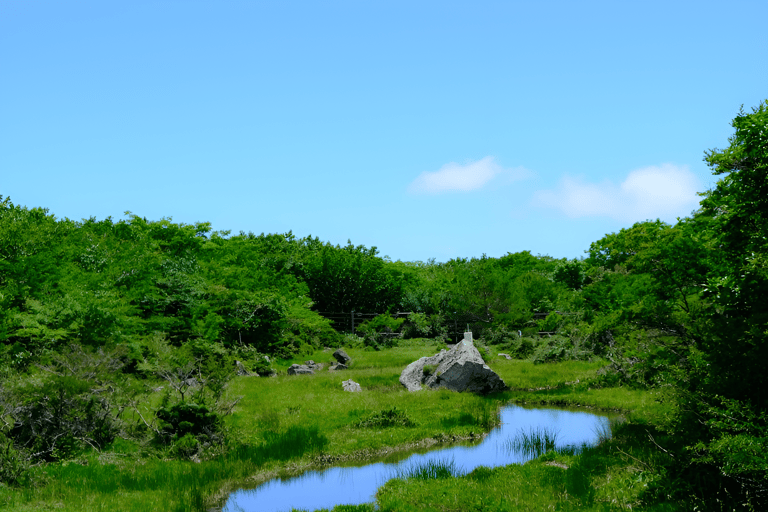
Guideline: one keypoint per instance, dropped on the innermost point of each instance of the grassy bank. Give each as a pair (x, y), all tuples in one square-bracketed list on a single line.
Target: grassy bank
[(288, 422)]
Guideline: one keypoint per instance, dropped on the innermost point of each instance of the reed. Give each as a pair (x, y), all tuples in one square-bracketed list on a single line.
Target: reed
[(533, 443), (430, 470)]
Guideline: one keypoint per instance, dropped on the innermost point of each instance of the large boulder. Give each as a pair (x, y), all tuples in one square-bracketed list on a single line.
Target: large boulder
[(459, 369), (300, 369), (342, 357)]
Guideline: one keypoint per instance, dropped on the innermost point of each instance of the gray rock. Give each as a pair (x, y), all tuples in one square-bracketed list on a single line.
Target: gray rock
[(192, 382), (337, 367), (300, 369), (351, 386), (313, 365), (241, 370), (342, 357), (459, 369), (506, 356)]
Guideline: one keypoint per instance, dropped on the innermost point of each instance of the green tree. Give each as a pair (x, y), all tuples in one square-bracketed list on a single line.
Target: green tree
[(728, 397)]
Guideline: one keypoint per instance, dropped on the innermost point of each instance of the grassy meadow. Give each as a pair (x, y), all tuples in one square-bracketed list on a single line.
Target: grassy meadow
[(286, 423)]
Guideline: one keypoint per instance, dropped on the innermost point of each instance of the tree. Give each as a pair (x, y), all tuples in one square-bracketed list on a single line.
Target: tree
[(726, 407)]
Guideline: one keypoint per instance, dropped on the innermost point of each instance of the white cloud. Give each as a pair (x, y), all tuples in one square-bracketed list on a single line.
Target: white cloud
[(455, 177), (667, 191)]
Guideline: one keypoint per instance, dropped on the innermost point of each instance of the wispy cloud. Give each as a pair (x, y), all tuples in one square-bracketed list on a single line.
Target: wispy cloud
[(666, 191), (455, 177)]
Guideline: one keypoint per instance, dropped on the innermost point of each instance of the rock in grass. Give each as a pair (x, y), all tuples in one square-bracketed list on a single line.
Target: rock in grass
[(506, 356), (242, 371), (342, 357), (300, 369), (337, 367), (313, 365), (460, 369), (351, 386)]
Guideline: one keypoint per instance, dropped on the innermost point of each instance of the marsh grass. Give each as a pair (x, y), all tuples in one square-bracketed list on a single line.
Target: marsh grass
[(157, 484), (365, 507), (386, 418), (430, 470), (533, 443)]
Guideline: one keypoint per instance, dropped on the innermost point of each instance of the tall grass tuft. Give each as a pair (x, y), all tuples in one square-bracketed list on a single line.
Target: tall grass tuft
[(533, 443), (430, 470), (386, 418)]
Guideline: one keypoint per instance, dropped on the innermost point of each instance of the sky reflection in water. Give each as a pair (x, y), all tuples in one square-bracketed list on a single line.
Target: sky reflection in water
[(333, 486)]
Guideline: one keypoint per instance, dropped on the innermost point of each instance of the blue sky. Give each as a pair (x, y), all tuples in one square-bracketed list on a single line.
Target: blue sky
[(427, 129)]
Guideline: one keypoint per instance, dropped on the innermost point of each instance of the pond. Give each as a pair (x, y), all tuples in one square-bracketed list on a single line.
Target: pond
[(350, 485)]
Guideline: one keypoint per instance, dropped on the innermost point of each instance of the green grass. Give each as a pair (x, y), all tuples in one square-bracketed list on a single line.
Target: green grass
[(524, 375), (290, 421)]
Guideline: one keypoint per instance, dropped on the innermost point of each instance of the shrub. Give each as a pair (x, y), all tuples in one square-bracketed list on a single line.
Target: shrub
[(189, 419), (417, 326), (510, 342), (383, 323), (74, 408), (62, 417), (310, 328), (552, 350), (186, 447), (551, 323), (13, 464)]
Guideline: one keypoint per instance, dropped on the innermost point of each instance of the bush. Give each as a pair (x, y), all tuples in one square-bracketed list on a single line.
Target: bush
[(383, 323), (13, 464), (73, 409), (551, 323), (309, 328), (552, 350), (188, 419), (253, 360), (380, 331), (510, 342), (63, 417), (417, 326)]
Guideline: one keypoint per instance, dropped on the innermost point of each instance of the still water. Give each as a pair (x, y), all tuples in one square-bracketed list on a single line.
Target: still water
[(333, 486)]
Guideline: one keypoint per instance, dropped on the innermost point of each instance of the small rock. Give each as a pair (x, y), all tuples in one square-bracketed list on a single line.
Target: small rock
[(300, 369), (192, 382), (501, 354), (313, 365), (351, 386), (342, 357), (241, 370), (337, 367)]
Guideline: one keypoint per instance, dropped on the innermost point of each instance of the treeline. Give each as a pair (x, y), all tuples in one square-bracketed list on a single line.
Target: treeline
[(680, 306), (121, 282)]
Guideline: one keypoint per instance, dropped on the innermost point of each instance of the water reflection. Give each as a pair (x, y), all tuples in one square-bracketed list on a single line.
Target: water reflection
[(357, 484)]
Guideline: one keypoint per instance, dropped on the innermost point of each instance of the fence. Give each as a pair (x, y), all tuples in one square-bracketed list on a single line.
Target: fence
[(349, 321), (455, 327)]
